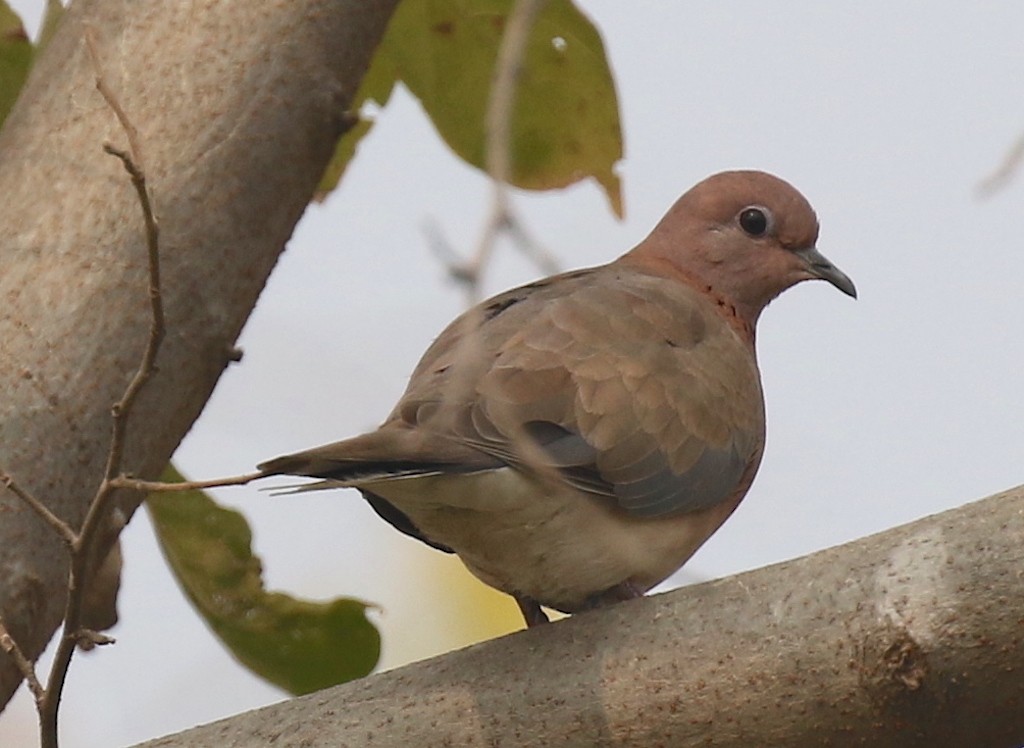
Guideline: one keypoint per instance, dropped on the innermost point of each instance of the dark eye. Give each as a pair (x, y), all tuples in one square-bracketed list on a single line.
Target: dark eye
[(754, 221)]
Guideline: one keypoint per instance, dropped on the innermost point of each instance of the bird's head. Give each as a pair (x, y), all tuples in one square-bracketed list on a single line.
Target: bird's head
[(743, 236)]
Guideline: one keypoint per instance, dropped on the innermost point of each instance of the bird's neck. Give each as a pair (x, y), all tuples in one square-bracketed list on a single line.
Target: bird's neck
[(741, 318), (743, 321)]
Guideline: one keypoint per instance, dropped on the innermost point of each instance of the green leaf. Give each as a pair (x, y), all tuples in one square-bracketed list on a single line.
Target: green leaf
[(565, 125), (298, 645), (15, 58)]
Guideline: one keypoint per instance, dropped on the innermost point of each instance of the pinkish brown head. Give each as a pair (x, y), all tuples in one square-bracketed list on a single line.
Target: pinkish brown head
[(742, 236)]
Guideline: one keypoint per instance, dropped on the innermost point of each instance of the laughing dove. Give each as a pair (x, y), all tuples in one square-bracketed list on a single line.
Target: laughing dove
[(575, 440)]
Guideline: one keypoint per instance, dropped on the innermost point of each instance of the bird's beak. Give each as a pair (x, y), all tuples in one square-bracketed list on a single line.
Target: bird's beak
[(819, 266)]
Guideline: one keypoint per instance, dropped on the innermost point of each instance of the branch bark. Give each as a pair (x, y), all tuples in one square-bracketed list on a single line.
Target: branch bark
[(912, 637), (237, 106)]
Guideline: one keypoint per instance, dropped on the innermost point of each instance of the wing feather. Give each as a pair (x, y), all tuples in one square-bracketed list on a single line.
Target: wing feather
[(632, 385)]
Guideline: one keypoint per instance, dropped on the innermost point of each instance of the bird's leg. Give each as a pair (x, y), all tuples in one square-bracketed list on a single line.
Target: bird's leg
[(531, 611), (622, 591), (534, 616)]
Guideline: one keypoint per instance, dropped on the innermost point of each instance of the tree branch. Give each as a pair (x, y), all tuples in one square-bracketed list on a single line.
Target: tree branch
[(219, 81), (62, 528), (134, 146), (149, 486), (83, 545), (912, 637), (1004, 173), (28, 670), (84, 549), (157, 326)]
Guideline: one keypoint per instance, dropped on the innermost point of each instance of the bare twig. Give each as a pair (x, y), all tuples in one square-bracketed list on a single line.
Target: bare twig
[(498, 121), (83, 544), (133, 484), (498, 157), (1004, 172), (454, 264), (541, 256), (469, 272), (62, 528), (507, 71), (82, 551), (156, 328), (134, 146), (28, 671)]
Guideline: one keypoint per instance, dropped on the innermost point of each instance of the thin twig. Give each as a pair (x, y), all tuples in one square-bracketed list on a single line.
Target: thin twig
[(541, 256), (507, 71), (501, 218), (498, 120), (469, 273), (134, 146), (454, 264), (156, 329), (146, 486), (28, 671), (498, 155), (60, 526), (73, 634), (1004, 172)]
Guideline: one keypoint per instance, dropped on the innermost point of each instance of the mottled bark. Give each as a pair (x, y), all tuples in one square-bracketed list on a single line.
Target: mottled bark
[(912, 637)]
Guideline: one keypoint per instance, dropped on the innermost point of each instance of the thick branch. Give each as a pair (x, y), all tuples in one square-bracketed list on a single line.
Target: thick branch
[(912, 637), (239, 105)]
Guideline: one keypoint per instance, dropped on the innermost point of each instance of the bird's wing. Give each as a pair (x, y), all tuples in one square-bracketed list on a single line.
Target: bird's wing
[(632, 386)]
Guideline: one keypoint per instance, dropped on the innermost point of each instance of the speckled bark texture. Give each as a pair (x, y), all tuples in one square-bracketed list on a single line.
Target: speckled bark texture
[(238, 105), (913, 637)]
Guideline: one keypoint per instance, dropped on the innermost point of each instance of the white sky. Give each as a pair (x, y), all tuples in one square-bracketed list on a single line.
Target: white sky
[(880, 411)]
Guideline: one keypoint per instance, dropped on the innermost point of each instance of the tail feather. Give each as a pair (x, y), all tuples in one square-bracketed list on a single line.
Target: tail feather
[(385, 454)]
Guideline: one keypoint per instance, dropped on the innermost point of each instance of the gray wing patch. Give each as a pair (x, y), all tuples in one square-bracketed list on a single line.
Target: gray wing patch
[(630, 386), (657, 491), (712, 479)]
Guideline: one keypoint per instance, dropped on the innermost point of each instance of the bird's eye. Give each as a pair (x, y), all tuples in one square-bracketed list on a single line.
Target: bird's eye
[(754, 221)]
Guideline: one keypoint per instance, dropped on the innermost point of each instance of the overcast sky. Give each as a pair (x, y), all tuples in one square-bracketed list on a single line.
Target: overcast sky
[(880, 411)]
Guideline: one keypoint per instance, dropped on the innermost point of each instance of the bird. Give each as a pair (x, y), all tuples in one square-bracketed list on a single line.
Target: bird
[(576, 439)]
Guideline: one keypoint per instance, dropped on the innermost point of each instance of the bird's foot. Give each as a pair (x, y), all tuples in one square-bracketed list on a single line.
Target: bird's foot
[(531, 611), (622, 591), (535, 616)]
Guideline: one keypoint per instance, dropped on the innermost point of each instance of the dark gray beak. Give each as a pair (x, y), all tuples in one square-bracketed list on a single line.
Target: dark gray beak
[(819, 266)]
